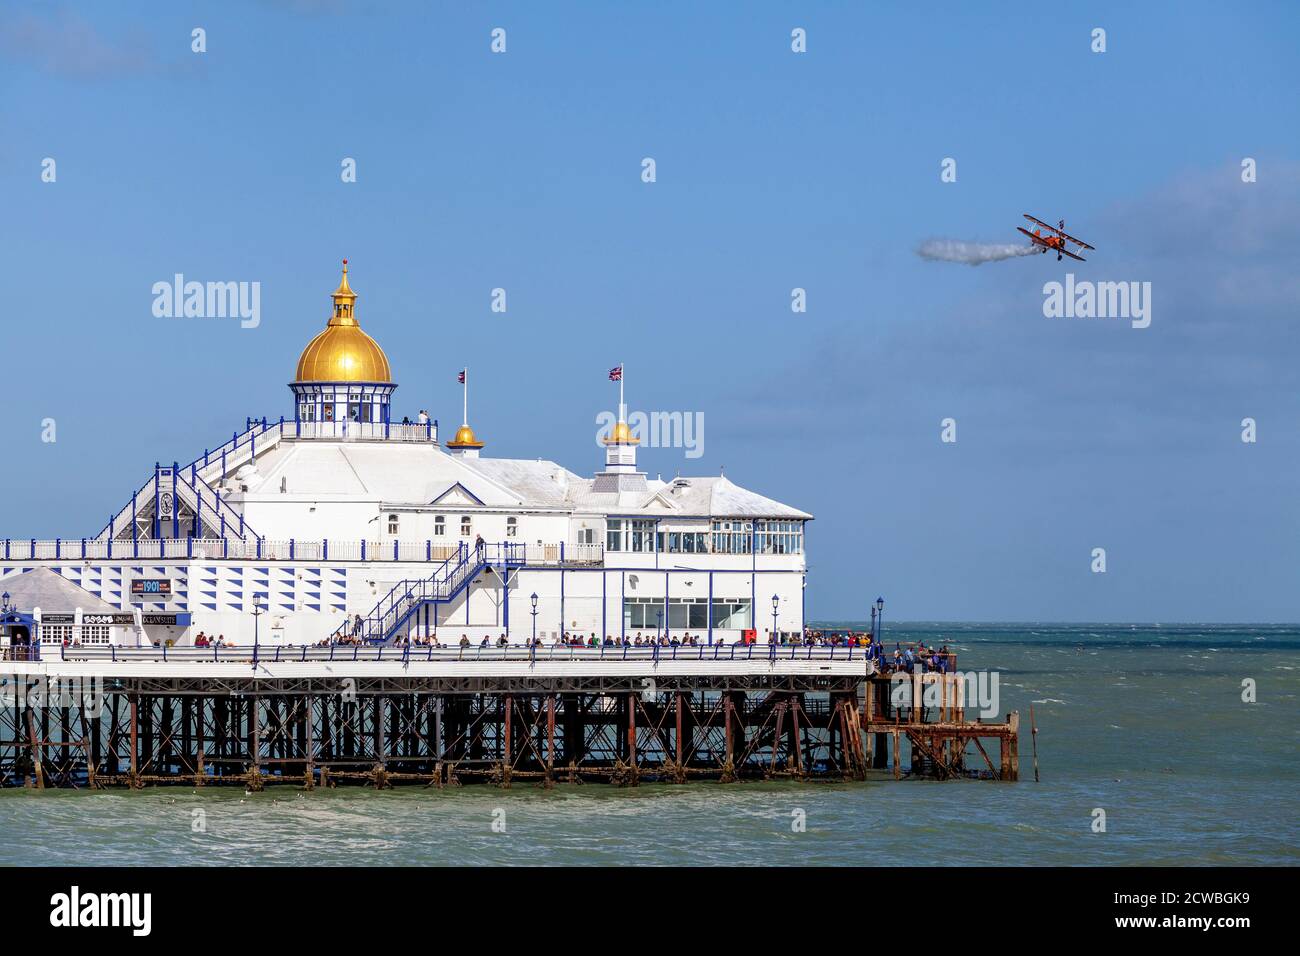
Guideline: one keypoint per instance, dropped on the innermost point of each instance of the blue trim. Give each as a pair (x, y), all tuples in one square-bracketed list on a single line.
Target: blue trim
[(450, 489)]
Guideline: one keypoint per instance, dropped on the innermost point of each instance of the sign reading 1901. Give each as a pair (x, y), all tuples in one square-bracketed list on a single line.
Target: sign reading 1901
[(151, 586)]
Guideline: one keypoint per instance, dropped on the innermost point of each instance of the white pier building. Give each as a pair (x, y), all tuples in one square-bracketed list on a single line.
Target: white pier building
[(293, 527)]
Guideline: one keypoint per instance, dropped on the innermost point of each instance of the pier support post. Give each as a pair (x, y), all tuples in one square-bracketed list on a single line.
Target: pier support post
[(729, 721), (135, 742), (679, 742), (549, 779), (631, 738), (1013, 740), (506, 758), (35, 744)]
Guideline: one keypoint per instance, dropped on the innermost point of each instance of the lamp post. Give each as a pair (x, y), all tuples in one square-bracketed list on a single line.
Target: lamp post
[(659, 623), (257, 614), (776, 601), (534, 601), (878, 614)]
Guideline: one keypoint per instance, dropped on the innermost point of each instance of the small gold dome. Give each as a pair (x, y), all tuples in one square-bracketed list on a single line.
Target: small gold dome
[(343, 352), (622, 435), (464, 439)]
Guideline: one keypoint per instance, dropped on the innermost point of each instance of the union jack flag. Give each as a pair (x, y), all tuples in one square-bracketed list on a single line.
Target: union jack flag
[(616, 373), (461, 377)]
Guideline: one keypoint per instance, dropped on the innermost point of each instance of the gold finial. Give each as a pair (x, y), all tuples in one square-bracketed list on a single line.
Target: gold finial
[(345, 301), (465, 438), (621, 434)]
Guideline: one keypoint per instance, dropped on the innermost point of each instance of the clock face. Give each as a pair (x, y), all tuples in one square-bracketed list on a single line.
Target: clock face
[(165, 503)]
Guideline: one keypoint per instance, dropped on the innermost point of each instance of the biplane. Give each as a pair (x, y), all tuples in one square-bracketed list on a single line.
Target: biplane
[(1055, 240)]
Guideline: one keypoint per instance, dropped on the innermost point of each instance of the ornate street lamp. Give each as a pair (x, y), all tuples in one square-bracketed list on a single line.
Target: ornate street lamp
[(776, 601), (534, 600)]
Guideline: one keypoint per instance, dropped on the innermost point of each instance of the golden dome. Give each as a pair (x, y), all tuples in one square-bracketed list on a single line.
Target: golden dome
[(622, 435), (343, 352), (464, 439)]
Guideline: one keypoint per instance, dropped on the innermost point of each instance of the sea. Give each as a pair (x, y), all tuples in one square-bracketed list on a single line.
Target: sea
[(1156, 745)]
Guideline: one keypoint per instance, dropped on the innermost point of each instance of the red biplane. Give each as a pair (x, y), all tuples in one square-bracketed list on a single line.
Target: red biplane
[(1055, 240)]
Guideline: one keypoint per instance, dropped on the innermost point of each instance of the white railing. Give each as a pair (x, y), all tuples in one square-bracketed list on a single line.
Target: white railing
[(362, 431), (282, 549)]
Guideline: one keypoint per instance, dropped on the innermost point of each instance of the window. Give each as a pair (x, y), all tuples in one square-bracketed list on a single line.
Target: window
[(731, 537), (683, 613), (392, 524), (779, 537), (731, 614), (512, 527), (586, 536), (465, 527), (635, 534), (89, 633), (439, 526), (94, 633), (56, 633), (687, 542)]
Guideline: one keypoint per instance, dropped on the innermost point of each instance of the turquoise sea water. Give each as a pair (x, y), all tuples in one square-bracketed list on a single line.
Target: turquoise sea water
[(1144, 722)]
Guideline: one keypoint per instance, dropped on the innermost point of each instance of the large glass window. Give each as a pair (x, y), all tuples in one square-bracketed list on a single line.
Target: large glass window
[(779, 537), (630, 534), (685, 542), (732, 614), (731, 537), (683, 614)]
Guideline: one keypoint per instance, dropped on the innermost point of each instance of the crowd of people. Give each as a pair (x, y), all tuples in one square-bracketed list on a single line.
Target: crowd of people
[(905, 657), (207, 640)]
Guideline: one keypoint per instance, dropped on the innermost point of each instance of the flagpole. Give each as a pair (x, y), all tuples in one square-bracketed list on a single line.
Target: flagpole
[(464, 418), (622, 409)]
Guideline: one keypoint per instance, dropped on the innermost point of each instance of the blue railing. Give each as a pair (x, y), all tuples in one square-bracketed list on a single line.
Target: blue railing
[(447, 581)]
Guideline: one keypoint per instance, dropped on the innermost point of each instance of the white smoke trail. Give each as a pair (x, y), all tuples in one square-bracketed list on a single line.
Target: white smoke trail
[(972, 253)]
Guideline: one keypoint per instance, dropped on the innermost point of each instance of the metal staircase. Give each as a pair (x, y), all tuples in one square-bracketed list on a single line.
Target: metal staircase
[(171, 505), (447, 582)]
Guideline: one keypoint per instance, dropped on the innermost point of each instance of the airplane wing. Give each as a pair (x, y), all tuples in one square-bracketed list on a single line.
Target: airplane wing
[(1036, 240), (1072, 255), (1040, 222), (1077, 242)]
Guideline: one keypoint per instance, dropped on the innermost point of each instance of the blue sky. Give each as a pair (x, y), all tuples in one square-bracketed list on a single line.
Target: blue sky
[(775, 171)]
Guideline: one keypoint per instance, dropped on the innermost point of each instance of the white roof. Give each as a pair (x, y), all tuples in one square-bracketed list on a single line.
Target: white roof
[(51, 592), (417, 474)]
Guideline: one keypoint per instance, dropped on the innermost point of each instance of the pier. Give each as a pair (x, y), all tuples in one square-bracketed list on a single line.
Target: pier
[(390, 716)]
